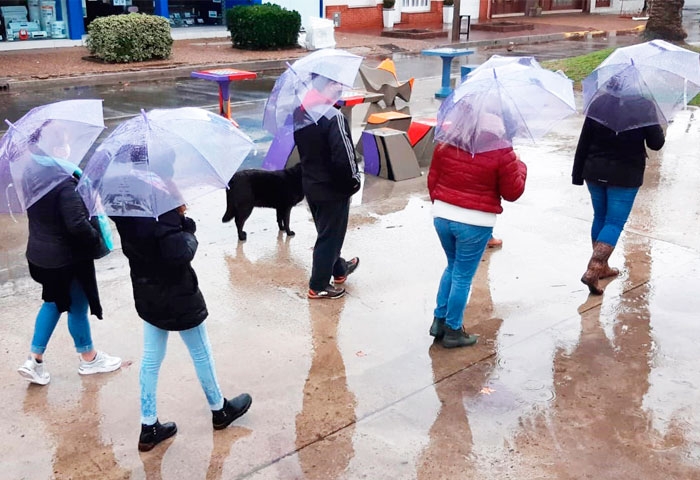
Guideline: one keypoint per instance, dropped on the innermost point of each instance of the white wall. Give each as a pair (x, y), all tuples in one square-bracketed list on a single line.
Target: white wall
[(306, 8), (471, 7), (629, 7)]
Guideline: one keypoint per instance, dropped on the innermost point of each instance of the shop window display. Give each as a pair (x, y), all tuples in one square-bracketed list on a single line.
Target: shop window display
[(189, 13), (32, 19)]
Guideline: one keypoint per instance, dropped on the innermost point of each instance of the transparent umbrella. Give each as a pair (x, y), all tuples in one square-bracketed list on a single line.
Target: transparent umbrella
[(509, 101), (43, 148), (160, 160), (641, 85), (304, 93)]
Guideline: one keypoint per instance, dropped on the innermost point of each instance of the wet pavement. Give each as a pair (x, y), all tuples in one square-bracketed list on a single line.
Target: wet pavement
[(561, 385)]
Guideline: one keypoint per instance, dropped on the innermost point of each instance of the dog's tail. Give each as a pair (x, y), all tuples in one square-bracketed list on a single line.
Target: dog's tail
[(230, 213)]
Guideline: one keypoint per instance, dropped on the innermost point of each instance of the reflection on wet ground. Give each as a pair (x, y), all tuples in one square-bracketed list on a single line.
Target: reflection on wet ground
[(560, 385)]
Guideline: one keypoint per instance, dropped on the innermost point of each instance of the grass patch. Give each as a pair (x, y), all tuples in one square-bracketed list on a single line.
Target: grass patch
[(578, 68)]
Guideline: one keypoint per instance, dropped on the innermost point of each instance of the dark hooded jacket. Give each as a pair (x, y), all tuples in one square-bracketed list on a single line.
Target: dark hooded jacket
[(61, 246), (166, 290)]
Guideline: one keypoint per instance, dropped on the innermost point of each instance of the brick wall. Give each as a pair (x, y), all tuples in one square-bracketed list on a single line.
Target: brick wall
[(359, 18)]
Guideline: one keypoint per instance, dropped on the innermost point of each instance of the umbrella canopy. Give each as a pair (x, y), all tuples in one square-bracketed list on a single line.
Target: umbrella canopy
[(314, 82), (641, 85), (43, 148), (160, 160), (500, 60), (511, 100)]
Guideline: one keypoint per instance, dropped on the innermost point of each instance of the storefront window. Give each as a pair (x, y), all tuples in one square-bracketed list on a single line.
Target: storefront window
[(22, 20), (189, 13)]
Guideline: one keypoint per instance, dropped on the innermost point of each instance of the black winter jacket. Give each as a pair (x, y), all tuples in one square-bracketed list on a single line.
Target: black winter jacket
[(166, 290), (329, 167), (61, 246), (616, 159), (60, 232)]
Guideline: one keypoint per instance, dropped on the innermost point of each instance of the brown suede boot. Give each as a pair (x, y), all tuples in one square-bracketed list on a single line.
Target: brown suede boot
[(597, 267), (608, 271)]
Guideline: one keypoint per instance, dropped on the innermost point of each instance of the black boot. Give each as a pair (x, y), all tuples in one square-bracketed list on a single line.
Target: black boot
[(457, 338), (152, 435), (232, 410), (437, 329)]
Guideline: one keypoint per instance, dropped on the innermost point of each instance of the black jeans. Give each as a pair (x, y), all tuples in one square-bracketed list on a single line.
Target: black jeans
[(331, 220)]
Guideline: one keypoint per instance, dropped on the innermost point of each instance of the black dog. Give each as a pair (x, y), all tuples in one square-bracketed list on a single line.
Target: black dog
[(279, 189)]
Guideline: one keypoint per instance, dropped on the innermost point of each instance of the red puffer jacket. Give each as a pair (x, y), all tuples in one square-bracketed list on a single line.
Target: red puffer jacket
[(476, 182)]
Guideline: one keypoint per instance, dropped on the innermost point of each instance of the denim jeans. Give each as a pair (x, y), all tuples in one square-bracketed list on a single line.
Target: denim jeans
[(611, 208), (464, 246), (78, 323), (154, 345)]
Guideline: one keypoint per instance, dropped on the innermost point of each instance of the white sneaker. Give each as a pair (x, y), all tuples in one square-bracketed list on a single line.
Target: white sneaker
[(102, 363), (34, 372)]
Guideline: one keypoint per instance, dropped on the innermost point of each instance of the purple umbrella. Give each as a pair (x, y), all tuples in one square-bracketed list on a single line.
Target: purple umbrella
[(43, 148)]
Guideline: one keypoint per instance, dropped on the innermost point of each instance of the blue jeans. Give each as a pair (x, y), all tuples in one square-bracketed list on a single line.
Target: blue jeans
[(154, 345), (611, 208), (464, 246), (78, 323)]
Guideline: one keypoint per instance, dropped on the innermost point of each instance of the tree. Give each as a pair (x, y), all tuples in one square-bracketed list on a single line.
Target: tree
[(665, 21), (456, 23)]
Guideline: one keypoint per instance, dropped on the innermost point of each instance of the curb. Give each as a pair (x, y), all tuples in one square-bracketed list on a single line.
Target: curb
[(262, 67)]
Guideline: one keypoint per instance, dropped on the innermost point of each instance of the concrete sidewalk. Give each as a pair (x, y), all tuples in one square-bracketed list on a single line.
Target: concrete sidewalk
[(72, 66)]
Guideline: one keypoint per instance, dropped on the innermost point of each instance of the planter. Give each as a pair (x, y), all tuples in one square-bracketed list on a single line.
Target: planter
[(447, 13), (388, 17)]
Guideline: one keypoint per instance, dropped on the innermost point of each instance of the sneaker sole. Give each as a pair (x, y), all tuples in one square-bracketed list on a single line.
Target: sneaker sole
[(221, 426), (32, 378), (324, 297), (99, 370)]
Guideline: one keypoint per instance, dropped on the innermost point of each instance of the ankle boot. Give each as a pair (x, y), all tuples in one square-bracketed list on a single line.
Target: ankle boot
[(457, 338), (437, 329), (152, 435), (597, 267), (232, 410)]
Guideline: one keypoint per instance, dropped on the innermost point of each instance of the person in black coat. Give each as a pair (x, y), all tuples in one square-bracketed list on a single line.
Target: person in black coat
[(612, 165), (167, 298), (329, 178), (61, 249)]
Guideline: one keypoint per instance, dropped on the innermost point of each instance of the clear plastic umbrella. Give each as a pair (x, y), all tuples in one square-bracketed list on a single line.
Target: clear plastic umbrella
[(499, 61), (640, 85), (160, 160), (509, 101), (314, 82), (43, 148)]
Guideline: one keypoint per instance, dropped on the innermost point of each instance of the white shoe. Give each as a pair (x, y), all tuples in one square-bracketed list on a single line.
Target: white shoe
[(34, 372), (102, 363)]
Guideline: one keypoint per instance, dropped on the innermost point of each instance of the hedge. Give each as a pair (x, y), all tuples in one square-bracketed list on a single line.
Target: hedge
[(129, 38), (261, 27)]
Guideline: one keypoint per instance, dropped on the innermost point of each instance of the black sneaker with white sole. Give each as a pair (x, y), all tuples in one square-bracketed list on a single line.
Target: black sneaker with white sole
[(329, 292)]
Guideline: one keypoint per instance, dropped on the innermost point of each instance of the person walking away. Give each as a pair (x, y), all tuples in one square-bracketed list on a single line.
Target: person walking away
[(329, 178), (466, 190), (61, 249), (167, 298), (612, 165)]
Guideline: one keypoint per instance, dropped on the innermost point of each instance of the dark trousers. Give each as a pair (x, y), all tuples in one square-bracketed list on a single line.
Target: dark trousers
[(331, 220)]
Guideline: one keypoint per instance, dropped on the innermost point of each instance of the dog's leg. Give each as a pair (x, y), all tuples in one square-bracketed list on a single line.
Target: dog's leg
[(285, 220), (241, 216)]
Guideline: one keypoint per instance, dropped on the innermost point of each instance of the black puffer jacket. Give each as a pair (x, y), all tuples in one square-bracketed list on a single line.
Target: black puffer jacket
[(329, 167), (166, 290), (60, 232), (615, 159)]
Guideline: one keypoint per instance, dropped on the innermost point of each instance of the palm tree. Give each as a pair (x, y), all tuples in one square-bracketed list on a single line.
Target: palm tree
[(665, 21)]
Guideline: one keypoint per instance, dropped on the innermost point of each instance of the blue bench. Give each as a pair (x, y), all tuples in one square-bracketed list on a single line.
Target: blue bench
[(466, 70)]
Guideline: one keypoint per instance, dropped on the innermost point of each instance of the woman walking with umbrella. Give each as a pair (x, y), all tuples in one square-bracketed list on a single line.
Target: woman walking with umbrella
[(38, 158), (627, 98), (141, 176)]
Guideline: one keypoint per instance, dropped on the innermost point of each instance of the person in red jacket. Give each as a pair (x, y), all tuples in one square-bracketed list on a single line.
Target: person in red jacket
[(466, 190)]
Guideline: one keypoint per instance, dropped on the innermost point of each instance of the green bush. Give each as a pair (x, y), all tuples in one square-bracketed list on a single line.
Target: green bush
[(129, 38), (261, 27)]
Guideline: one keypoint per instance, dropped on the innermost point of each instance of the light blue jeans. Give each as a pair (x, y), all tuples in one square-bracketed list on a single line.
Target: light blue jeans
[(611, 208), (155, 341), (78, 323), (464, 246)]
